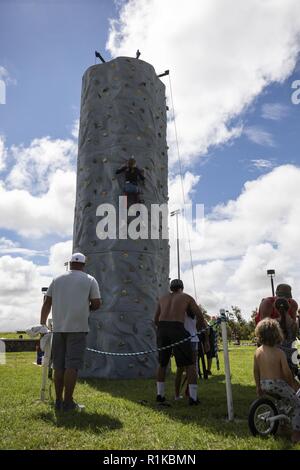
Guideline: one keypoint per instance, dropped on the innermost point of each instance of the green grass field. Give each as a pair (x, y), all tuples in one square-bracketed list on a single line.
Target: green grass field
[(114, 418), (13, 336)]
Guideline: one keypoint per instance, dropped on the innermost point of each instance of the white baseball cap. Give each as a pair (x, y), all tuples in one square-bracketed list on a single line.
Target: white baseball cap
[(77, 258)]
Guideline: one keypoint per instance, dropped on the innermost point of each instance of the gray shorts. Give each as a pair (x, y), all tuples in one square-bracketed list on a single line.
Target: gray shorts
[(68, 350)]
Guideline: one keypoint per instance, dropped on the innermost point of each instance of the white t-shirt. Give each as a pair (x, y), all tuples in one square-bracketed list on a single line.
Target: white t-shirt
[(190, 324), (71, 293)]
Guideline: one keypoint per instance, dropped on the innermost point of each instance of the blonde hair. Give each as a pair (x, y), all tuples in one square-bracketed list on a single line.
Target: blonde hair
[(268, 332)]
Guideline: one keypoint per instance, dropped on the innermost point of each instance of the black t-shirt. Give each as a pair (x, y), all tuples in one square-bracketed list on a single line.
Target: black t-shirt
[(131, 174)]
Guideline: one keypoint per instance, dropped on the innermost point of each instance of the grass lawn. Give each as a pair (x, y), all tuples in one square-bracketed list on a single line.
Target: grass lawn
[(114, 418), (13, 336)]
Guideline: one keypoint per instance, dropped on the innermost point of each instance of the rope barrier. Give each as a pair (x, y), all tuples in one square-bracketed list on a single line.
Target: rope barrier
[(150, 351)]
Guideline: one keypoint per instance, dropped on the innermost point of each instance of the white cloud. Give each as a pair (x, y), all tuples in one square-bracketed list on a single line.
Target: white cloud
[(34, 165), (219, 61), (5, 75), (75, 129), (37, 195), (274, 111), (38, 215), (262, 164), (10, 247), (3, 153), (20, 286), (259, 136), (242, 239)]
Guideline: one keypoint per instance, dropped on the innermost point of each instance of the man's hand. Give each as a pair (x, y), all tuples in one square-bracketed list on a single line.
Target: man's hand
[(95, 304)]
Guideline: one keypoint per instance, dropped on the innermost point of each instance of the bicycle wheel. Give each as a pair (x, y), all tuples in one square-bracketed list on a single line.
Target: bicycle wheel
[(260, 410)]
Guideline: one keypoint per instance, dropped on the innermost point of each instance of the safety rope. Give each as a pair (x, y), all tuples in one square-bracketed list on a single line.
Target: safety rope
[(150, 351), (182, 186)]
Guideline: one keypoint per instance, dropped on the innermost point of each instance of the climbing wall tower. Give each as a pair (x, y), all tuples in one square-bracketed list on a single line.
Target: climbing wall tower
[(123, 113)]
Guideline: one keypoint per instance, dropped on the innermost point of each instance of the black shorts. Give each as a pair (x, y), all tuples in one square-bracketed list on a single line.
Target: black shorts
[(169, 332)]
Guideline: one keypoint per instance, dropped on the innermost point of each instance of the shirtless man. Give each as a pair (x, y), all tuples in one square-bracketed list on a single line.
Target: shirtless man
[(268, 309), (169, 319), (271, 371)]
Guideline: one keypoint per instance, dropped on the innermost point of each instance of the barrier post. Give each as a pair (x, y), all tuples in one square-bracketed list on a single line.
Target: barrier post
[(45, 368), (227, 366)]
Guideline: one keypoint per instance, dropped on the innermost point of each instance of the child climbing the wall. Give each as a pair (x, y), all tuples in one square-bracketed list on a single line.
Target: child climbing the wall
[(271, 371), (132, 176)]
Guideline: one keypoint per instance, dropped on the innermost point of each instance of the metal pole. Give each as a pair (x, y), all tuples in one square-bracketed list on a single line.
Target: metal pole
[(272, 285), (227, 366)]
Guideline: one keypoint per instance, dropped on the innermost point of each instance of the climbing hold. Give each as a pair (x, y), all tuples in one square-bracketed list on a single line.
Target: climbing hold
[(121, 316), (105, 134), (124, 292), (125, 254), (104, 160)]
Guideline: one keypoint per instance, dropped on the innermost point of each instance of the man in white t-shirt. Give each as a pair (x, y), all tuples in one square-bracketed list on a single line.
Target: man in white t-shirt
[(72, 296)]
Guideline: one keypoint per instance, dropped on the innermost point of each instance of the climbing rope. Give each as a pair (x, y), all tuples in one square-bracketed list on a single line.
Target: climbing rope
[(150, 351), (182, 186)]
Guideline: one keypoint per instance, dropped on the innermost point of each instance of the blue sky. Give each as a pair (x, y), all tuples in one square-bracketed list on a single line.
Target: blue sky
[(45, 47)]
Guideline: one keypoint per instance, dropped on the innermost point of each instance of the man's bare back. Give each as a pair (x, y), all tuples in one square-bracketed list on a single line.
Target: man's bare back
[(174, 306)]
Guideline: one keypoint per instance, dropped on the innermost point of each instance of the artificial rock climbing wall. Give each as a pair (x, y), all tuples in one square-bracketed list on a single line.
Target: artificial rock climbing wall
[(123, 113)]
